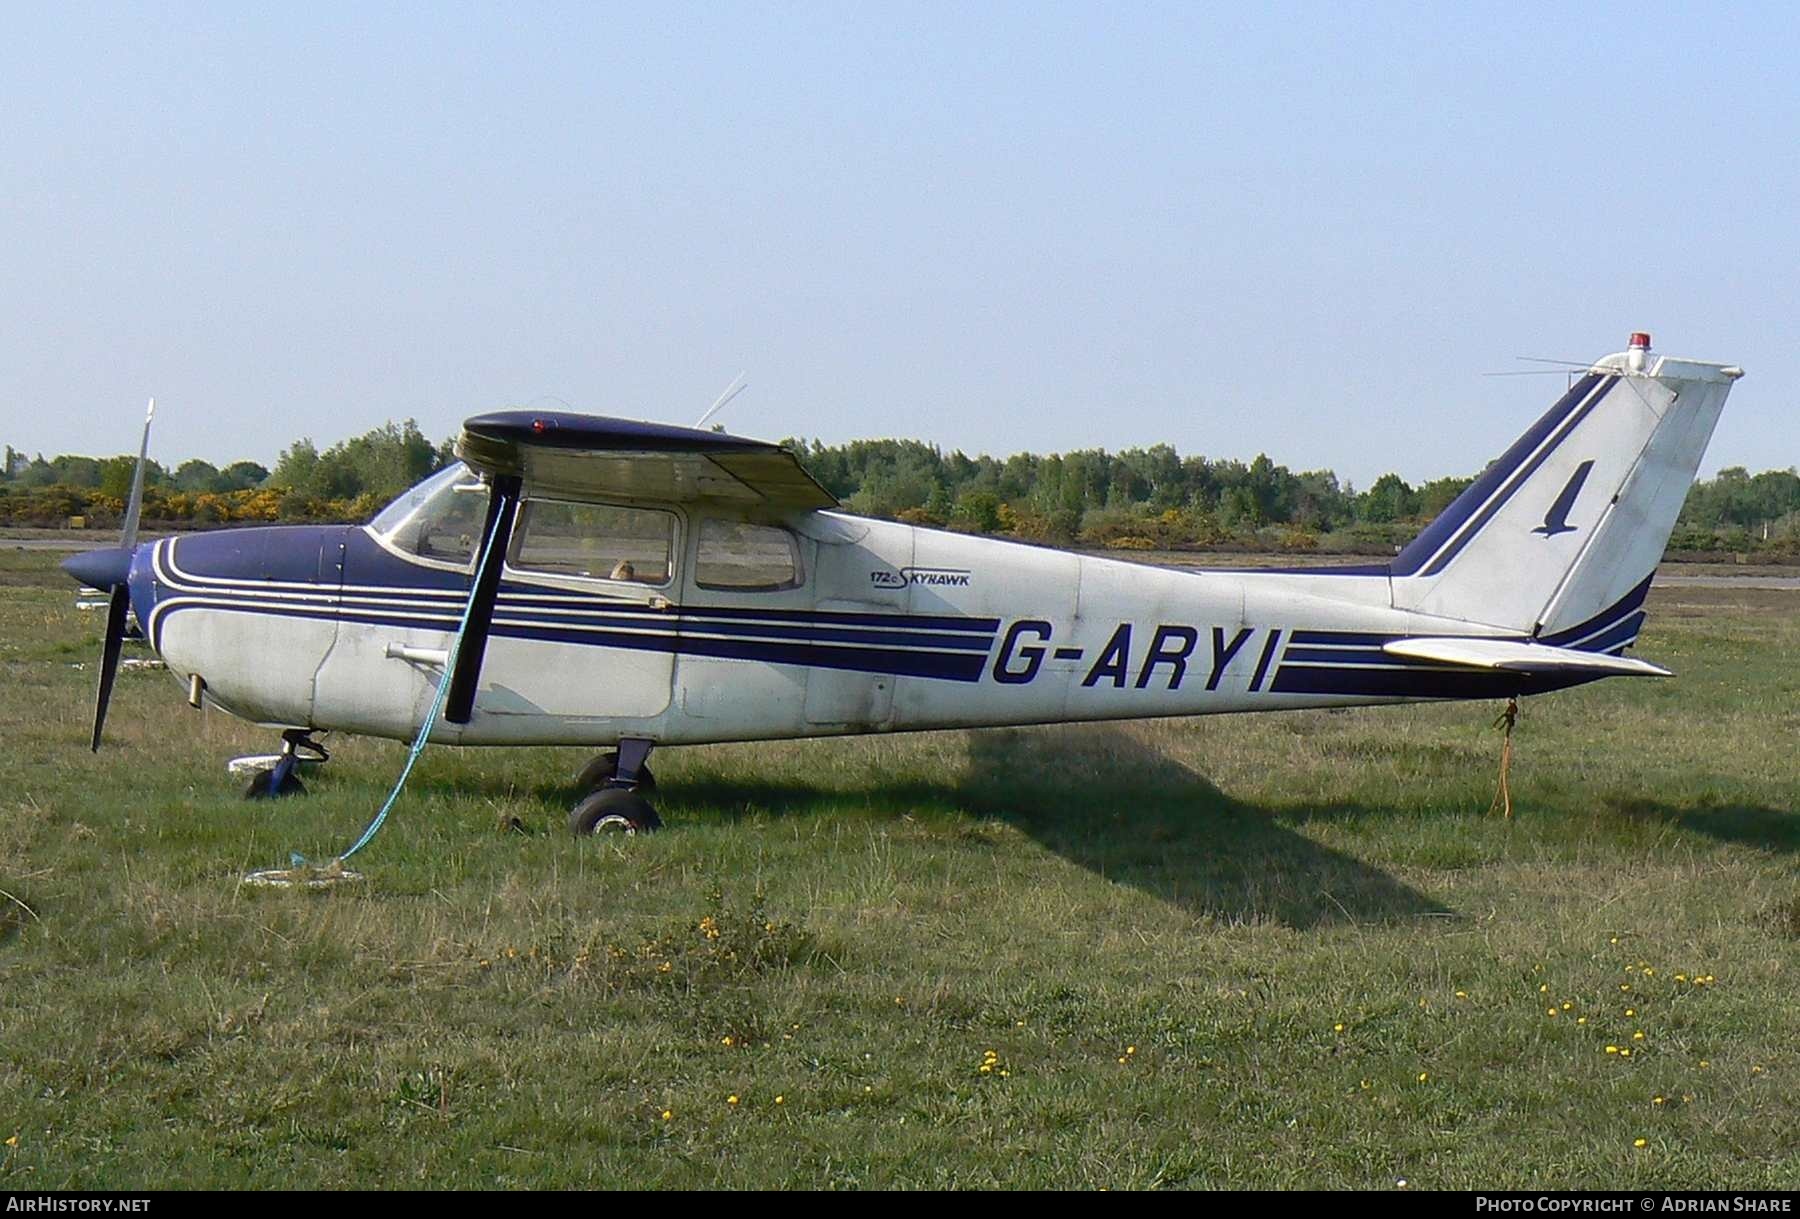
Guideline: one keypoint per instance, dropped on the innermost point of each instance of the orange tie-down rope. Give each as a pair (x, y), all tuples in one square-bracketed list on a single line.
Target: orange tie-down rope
[(1503, 795)]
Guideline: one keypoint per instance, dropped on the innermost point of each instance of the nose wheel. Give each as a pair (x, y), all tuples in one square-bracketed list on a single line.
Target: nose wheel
[(283, 778), (618, 785)]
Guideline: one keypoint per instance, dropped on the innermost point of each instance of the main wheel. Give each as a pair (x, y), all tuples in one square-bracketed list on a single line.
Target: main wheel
[(261, 786), (598, 773), (613, 810)]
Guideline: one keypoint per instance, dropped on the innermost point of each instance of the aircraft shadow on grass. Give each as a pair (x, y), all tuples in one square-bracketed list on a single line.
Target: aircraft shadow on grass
[(1100, 798), (1734, 823)]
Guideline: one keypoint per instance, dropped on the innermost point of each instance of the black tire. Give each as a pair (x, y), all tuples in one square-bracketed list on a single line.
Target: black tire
[(613, 810), (259, 788), (599, 772)]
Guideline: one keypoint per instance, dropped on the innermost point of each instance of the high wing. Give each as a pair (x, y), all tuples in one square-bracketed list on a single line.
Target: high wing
[(592, 457), (589, 456)]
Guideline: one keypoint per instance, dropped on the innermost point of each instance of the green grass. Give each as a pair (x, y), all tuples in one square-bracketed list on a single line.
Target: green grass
[(866, 920)]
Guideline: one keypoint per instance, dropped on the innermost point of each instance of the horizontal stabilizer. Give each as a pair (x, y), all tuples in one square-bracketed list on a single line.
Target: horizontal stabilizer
[(1520, 657)]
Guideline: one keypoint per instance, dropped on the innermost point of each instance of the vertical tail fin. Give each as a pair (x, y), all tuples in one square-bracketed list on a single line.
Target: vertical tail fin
[(1559, 537)]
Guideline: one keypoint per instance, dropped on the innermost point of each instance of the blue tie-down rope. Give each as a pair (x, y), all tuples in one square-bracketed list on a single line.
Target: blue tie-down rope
[(321, 875)]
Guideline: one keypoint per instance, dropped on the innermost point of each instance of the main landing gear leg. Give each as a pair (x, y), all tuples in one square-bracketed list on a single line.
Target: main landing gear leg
[(617, 805), (297, 745)]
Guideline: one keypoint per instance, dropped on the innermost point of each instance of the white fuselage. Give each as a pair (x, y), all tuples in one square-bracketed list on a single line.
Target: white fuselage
[(891, 628)]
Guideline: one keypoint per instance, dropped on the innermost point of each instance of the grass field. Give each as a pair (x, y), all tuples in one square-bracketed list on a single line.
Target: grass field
[(1285, 950)]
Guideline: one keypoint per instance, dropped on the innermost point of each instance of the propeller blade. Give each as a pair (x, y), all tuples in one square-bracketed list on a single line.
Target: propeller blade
[(116, 609), (503, 504), (136, 507)]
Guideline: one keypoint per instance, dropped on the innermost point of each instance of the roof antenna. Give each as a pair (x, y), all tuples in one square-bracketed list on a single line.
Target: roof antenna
[(738, 385)]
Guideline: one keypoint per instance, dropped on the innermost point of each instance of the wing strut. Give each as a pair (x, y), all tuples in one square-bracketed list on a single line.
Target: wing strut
[(503, 507)]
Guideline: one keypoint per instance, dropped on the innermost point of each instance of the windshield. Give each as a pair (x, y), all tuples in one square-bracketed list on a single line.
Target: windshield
[(440, 519)]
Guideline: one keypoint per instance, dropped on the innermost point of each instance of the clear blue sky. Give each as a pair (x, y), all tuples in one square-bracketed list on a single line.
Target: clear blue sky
[(1306, 230)]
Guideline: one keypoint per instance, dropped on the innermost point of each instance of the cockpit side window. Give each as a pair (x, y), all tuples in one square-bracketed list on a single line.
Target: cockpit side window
[(743, 557), (596, 541), (440, 519)]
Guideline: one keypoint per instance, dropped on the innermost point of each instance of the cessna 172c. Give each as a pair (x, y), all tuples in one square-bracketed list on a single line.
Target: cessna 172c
[(576, 580)]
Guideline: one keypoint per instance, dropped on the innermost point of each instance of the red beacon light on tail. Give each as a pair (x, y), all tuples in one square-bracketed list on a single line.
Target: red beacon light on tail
[(1638, 350)]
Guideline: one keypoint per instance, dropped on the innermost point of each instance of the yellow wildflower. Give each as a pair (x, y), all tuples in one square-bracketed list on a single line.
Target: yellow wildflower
[(667, 1114), (732, 1099), (1641, 1143), (1424, 1076), (781, 1100), (1612, 1049)]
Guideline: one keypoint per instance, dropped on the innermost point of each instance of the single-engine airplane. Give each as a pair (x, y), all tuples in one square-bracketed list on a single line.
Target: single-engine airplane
[(656, 585)]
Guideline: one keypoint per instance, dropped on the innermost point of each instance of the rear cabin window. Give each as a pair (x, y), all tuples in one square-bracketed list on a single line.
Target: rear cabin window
[(746, 558), (596, 541)]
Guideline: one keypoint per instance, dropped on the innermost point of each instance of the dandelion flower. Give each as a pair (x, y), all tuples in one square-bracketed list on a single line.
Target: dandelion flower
[(1131, 1049), (1567, 1006), (1638, 1036), (1624, 1053), (732, 1099), (13, 1141), (1658, 1100), (724, 1041), (781, 1100), (1631, 1011), (667, 1114), (1462, 994), (1544, 989), (1640, 1143), (1612, 1049), (1337, 1028), (1624, 986), (1424, 1076), (1550, 1011), (1581, 1020), (1704, 1063)]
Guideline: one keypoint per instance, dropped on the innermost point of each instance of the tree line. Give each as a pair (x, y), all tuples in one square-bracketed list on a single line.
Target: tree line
[(1139, 498)]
